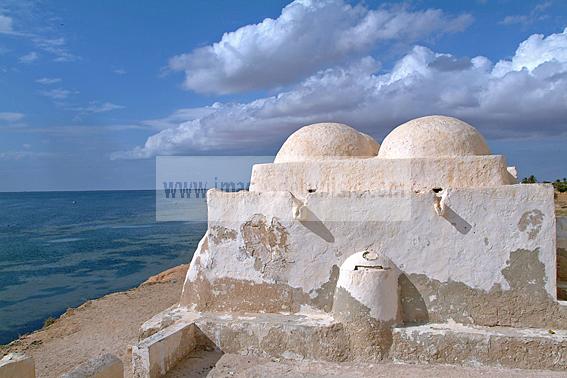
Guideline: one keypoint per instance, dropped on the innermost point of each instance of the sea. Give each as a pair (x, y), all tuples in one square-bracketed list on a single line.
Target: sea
[(60, 249)]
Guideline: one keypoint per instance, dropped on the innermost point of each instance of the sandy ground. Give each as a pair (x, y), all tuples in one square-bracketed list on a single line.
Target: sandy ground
[(106, 325), (217, 365)]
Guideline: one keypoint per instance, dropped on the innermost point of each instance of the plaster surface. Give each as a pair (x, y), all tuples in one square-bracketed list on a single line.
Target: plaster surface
[(334, 176), (367, 287), (326, 141), (477, 346), (271, 262), (318, 336), (433, 136), (155, 355)]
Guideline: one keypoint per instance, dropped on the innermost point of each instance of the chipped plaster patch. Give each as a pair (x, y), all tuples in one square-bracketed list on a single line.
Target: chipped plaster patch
[(267, 243), (530, 223), (526, 303), (219, 234)]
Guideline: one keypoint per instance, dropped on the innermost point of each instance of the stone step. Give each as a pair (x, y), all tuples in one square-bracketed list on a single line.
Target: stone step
[(453, 343), (173, 335)]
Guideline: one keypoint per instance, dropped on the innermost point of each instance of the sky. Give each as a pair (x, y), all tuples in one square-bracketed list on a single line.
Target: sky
[(91, 92)]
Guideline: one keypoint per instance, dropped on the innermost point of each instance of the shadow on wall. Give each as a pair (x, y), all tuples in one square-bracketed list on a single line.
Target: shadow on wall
[(315, 225), (413, 308), (456, 221), (200, 361)]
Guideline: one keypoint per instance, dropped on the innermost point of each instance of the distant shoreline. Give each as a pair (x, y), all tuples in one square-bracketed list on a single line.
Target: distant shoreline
[(79, 191)]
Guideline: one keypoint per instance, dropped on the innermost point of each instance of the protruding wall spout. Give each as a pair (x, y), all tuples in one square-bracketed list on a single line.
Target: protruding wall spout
[(299, 210), (440, 200)]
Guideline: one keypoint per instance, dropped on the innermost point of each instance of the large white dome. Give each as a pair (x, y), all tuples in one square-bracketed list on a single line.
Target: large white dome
[(433, 136), (326, 141)]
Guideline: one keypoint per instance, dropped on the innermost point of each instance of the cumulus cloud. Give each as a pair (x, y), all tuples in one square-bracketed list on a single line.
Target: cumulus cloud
[(535, 51), (524, 96), (308, 35), (11, 117)]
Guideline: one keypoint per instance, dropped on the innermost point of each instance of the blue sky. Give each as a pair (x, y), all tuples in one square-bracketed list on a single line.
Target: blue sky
[(91, 92)]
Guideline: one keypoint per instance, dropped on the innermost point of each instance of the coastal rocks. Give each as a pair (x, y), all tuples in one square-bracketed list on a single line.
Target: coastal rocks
[(177, 273)]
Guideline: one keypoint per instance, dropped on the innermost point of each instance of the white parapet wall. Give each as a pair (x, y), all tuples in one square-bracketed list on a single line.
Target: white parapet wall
[(378, 173), (490, 249)]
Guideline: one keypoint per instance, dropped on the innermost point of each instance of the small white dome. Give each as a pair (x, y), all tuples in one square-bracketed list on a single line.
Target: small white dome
[(326, 141), (433, 136)]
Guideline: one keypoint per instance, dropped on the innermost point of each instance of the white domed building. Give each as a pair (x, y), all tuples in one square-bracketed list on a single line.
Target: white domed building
[(347, 250)]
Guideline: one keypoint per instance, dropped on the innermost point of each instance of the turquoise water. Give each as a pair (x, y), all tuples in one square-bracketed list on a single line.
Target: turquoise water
[(59, 249)]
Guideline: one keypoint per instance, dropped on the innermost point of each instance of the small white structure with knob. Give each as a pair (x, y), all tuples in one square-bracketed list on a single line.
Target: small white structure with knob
[(371, 280)]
